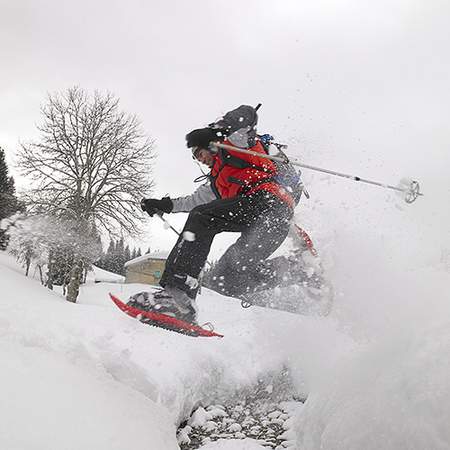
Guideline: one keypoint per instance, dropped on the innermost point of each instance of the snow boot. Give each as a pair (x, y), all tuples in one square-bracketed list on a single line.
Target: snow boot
[(170, 301)]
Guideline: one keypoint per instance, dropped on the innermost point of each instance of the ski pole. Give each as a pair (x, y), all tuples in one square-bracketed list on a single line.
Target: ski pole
[(412, 191), (167, 223)]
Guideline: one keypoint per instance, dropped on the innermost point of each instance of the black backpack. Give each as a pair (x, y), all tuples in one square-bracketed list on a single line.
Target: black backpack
[(239, 126)]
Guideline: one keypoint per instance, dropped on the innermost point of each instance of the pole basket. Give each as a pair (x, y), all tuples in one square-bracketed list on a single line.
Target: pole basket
[(410, 189)]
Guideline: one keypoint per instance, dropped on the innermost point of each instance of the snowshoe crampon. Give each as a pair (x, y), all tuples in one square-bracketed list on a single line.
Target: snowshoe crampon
[(163, 321)]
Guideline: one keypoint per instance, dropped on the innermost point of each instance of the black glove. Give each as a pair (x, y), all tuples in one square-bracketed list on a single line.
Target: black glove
[(155, 206), (204, 136)]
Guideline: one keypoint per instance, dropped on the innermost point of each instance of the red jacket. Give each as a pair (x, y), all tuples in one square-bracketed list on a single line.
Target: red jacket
[(235, 173)]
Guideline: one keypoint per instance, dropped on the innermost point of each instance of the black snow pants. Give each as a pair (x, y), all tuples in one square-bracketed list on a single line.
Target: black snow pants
[(263, 221)]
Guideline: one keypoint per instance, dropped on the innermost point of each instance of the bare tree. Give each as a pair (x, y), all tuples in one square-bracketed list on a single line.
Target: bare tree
[(91, 165)]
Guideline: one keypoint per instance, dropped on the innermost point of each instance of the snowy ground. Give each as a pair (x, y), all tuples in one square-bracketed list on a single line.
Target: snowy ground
[(106, 381), (376, 372)]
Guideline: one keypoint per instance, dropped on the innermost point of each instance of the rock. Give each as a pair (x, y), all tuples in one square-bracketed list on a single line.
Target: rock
[(216, 412), (248, 422), (183, 437), (227, 420), (234, 428), (274, 414), (255, 430), (209, 426), (265, 414), (277, 421), (199, 417), (208, 408)]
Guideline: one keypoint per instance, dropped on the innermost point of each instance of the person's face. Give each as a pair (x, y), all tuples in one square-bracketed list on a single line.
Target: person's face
[(204, 156)]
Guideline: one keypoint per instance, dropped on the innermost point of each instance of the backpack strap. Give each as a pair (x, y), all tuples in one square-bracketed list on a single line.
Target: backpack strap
[(235, 161), (249, 186)]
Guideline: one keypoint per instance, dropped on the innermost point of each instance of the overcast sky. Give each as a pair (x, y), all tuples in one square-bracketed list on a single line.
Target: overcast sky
[(357, 86)]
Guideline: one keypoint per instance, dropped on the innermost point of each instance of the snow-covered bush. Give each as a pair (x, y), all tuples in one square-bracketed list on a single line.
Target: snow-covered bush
[(51, 244)]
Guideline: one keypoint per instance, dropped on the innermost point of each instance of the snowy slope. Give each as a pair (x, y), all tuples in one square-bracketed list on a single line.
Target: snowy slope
[(86, 368), (376, 371), (58, 392)]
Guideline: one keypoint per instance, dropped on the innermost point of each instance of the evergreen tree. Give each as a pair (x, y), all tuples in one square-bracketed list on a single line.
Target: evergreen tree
[(100, 260), (111, 247), (4, 178), (8, 201), (109, 257), (105, 261), (127, 254), (116, 256), (121, 257)]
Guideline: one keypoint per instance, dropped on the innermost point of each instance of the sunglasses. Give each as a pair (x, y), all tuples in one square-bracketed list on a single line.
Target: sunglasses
[(196, 152)]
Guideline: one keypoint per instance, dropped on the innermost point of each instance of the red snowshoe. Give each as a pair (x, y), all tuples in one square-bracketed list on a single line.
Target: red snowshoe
[(163, 321)]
